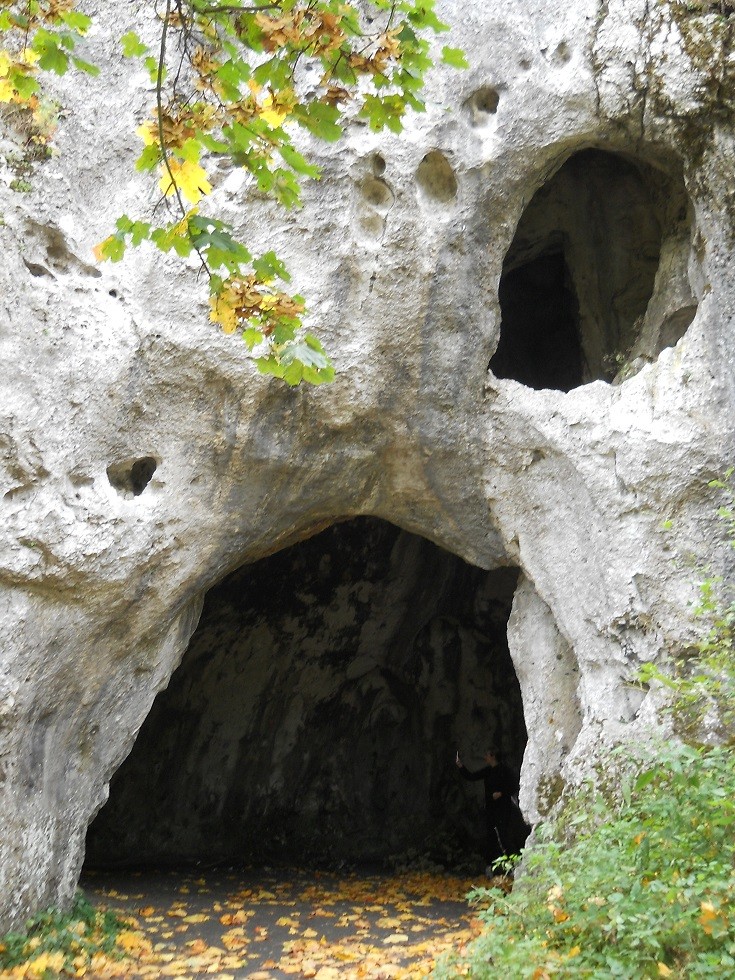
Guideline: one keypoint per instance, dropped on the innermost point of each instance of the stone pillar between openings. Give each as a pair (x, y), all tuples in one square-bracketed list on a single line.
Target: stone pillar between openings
[(548, 674)]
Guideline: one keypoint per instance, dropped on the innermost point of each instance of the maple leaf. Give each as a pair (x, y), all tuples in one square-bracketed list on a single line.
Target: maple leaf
[(189, 177)]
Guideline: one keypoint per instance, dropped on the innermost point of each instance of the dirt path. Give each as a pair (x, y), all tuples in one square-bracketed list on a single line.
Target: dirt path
[(262, 925)]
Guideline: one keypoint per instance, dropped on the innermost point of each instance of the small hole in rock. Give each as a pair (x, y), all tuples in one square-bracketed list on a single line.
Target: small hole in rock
[(377, 193), (483, 103), (132, 475), (436, 179), (113, 293), (378, 165), (37, 270)]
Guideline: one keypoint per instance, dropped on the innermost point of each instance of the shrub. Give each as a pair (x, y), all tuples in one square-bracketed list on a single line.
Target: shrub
[(53, 942)]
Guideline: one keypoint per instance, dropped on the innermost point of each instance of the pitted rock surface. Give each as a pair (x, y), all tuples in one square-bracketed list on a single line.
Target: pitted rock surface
[(143, 459)]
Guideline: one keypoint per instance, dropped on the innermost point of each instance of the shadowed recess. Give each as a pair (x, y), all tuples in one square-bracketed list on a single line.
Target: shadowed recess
[(595, 283), (316, 714)]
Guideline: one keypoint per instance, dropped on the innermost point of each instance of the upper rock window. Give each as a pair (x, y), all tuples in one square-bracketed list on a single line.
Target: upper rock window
[(595, 283)]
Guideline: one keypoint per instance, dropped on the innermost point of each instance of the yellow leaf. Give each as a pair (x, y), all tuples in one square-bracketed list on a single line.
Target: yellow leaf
[(240, 917), (5, 62), (310, 934), (188, 177), (46, 961), (389, 923), (148, 133), (6, 91), (273, 115), (663, 970), (397, 937), (198, 917), (133, 942), (98, 250), (709, 915), (234, 940)]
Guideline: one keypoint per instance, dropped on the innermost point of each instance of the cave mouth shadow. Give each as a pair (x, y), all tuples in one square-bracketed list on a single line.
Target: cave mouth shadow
[(595, 283), (315, 716)]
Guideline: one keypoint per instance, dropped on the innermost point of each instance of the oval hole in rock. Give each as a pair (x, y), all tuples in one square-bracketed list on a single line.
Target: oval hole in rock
[(482, 104), (377, 193), (581, 297), (132, 476), (436, 179)]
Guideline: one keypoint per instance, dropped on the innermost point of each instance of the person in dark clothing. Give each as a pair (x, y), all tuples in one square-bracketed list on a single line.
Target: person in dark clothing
[(505, 829)]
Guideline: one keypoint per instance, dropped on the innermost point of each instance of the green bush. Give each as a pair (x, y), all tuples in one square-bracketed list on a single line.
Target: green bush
[(61, 938), (636, 876)]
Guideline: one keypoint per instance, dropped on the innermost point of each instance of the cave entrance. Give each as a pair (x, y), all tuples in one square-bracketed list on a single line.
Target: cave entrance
[(316, 713), (595, 282)]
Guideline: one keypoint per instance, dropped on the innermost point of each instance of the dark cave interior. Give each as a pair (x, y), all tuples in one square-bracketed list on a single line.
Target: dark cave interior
[(316, 713), (579, 277)]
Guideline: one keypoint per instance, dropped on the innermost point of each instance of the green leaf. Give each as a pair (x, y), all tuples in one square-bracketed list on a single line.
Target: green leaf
[(212, 237), (51, 57), (284, 332), (297, 162), (321, 120), (24, 85), (139, 232), (85, 66), (423, 16), (149, 158), (269, 365), (293, 373), (252, 337), (76, 21), (269, 267), (151, 64), (113, 249), (286, 188), (132, 46), (454, 57), (319, 376), (190, 150)]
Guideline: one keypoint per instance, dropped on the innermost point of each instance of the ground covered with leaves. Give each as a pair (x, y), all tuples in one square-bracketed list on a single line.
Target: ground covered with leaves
[(260, 925)]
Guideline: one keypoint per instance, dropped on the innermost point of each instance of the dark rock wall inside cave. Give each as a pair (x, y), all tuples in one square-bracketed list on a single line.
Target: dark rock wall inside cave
[(317, 711)]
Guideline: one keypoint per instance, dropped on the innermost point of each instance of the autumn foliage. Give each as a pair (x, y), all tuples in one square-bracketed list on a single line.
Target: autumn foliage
[(234, 79)]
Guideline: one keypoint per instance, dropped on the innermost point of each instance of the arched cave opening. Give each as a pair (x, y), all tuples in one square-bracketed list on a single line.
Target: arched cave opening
[(595, 283), (316, 713)]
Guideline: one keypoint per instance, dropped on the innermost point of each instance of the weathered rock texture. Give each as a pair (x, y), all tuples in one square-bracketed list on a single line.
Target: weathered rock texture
[(143, 459)]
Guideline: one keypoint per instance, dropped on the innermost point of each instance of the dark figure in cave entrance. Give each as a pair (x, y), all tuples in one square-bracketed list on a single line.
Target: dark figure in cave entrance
[(505, 829)]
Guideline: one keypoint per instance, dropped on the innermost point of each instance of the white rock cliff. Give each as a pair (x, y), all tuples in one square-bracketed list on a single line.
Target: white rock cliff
[(143, 458)]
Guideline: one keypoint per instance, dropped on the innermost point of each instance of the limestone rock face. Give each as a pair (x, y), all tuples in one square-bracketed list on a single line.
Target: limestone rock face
[(143, 459)]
